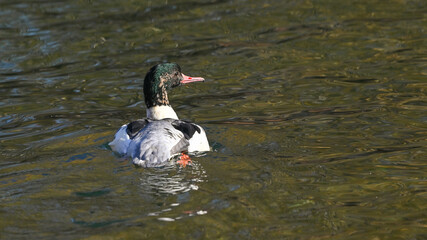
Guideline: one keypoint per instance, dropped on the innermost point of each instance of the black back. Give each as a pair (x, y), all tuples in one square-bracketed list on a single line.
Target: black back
[(187, 128)]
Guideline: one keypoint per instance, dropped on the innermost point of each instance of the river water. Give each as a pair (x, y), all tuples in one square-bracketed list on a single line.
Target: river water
[(316, 112)]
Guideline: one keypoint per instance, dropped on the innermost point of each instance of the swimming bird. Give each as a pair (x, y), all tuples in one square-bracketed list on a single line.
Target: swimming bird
[(154, 140)]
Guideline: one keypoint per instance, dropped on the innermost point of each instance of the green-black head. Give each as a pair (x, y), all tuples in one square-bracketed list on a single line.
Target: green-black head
[(159, 79)]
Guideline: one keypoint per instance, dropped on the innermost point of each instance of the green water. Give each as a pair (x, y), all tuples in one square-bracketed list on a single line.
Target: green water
[(316, 112)]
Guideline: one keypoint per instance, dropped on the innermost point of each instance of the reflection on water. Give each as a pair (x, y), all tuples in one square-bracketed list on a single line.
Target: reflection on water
[(169, 181), (316, 111)]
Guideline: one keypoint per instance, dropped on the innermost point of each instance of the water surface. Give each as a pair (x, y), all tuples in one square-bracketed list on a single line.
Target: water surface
[(315, 111)]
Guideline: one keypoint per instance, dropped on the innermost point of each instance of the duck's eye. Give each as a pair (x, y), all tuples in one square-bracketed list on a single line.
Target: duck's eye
[(176, 73)]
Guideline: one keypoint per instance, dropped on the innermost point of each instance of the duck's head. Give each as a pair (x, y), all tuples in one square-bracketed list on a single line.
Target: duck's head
[(159, 79)]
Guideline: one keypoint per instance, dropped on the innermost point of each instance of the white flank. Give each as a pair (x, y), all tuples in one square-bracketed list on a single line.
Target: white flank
[(121, 141), (199, 142)]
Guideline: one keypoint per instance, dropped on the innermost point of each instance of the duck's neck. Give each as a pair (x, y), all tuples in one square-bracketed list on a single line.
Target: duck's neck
[(161, 112)]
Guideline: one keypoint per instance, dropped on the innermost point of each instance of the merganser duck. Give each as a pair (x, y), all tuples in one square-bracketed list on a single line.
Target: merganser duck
[(153, 141)]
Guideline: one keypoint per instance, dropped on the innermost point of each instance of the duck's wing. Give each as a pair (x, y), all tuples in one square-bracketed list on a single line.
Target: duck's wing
[(198, 142), (125, 134), (187, 128), (134, 127)]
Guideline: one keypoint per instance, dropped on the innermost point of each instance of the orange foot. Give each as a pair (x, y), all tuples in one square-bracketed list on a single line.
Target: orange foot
[(184, 160)]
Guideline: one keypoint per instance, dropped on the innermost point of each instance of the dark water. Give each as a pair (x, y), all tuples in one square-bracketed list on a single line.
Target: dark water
[(316, 112)]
